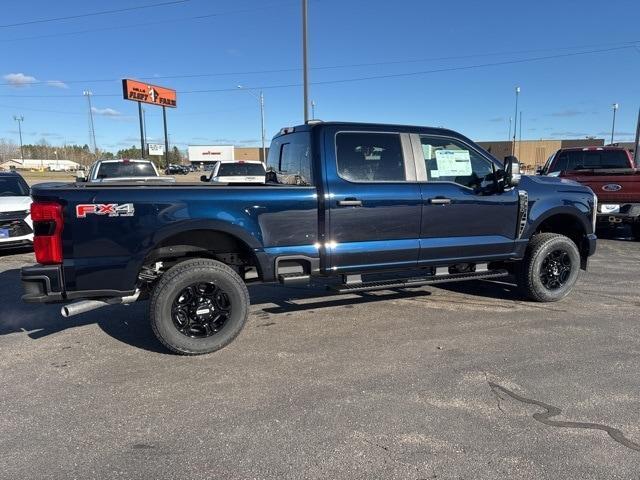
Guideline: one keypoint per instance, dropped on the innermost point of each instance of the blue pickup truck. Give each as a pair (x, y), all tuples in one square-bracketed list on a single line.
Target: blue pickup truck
[(366, 206)]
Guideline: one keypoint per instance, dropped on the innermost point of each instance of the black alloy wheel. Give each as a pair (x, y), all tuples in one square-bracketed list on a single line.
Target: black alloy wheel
[(555, 269), (200, 310)]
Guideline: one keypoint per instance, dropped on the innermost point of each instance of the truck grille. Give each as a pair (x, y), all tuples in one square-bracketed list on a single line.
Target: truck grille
[(14, 223)]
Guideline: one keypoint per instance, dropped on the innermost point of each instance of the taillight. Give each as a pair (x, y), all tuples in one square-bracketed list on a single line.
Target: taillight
[(47, 229)]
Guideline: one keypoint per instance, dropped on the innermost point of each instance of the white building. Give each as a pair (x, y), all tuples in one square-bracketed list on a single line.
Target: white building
[(52, 165), (210, 153)]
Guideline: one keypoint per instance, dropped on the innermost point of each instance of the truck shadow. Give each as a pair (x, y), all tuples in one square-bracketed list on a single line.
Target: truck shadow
[(124, 323), (286, 298), (129, 324)]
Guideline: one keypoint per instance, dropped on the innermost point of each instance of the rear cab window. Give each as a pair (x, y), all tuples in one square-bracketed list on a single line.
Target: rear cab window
[(590, 160), (125, 169), (240, 169), (289, 161)]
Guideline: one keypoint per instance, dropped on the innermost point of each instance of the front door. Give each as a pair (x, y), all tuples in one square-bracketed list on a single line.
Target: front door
[(463, 217), (373, 203)]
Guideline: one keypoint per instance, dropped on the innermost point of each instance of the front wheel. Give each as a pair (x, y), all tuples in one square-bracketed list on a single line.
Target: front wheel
[(199, 306), (550, 268)]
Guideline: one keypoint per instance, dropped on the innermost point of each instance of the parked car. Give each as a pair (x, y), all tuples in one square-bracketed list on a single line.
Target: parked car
[(611, 174), (173, 169), (123, 170), (238, 171), (16, 227), (360, 206)]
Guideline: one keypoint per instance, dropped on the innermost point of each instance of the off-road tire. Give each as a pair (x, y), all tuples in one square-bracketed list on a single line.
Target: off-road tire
[(173, 282), (528, 271)]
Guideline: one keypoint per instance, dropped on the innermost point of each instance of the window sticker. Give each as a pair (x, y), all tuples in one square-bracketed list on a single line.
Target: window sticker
[(427, 151), (453, 163)]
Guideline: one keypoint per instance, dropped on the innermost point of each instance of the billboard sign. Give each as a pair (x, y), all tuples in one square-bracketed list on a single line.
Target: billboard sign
[(210, 153), (147, 93), (156, 149)]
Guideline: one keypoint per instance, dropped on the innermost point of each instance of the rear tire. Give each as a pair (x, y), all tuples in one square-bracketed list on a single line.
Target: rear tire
[(550, 268), (199, 306)]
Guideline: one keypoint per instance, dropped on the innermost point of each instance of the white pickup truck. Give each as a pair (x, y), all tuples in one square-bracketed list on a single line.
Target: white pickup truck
[(123, 170)]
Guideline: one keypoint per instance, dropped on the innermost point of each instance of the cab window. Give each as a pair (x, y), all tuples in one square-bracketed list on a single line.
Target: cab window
[(449, 160), (370, 157), (289, 161)]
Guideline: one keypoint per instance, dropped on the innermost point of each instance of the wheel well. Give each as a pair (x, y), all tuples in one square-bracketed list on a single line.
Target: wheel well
[(205, 244), (567, 225)]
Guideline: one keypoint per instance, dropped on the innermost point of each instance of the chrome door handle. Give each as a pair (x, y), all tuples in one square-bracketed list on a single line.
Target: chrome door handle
[(350, 202), (440, 201)]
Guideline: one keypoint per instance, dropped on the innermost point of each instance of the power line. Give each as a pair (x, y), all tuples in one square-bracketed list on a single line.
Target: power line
[(622, 45), (93, 14), (140, 24), (364, 78)]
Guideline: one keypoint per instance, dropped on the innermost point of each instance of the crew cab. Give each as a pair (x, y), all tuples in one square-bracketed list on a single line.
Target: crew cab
[(360, 206), (139, 171), (611, 174)]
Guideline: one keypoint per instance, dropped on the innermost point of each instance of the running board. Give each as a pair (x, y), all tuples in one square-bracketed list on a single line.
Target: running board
[(294, 278), (416, 282)]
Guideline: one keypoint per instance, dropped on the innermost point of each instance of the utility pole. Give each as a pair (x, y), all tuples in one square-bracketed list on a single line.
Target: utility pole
[(305, 60), (615, 107), (20, 119), (92, 131), (513, 144), (260, 99)]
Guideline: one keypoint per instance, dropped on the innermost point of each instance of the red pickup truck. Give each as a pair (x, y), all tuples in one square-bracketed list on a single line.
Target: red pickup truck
[(611, 174)]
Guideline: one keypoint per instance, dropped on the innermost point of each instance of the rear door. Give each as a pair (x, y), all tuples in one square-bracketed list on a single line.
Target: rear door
[(373, 203), (463, 217)]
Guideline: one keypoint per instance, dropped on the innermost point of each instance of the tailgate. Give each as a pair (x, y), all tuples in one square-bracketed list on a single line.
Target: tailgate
[(613, 188)]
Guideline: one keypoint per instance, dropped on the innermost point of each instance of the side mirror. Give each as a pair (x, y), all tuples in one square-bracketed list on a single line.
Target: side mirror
[(204, 178), (80, 176), (538, 170), (512, 171)]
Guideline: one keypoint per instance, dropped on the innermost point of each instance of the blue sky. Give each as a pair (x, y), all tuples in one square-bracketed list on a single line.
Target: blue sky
[(452, 64)]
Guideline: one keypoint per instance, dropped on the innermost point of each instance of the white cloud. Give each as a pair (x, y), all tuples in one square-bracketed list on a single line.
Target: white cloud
[(57, 84), (107, 112), (19, 79)]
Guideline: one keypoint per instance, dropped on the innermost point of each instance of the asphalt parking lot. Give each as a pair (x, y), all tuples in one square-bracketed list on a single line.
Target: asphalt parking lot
[(412, 384)]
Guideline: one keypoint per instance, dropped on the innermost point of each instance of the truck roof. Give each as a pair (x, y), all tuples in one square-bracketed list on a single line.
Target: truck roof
[(374, 126), (586, 149)]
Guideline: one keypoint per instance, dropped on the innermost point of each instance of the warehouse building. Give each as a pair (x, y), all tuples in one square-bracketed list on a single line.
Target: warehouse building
[(534, 153)]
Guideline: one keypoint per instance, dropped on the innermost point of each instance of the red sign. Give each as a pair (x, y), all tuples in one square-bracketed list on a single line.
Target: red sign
[(147, 93)]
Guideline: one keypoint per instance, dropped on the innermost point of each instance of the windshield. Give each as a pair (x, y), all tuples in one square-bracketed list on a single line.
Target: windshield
[(128, 169), (13, 187), (592, 159), (240, 170)]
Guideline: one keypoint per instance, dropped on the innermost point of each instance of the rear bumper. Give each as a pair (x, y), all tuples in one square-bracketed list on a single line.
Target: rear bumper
[(42, 284)]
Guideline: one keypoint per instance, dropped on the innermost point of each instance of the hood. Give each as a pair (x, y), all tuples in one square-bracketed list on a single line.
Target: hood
[(14, 204)]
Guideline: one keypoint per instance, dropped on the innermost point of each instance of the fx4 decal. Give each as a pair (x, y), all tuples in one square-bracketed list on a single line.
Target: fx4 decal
[(109, 209)]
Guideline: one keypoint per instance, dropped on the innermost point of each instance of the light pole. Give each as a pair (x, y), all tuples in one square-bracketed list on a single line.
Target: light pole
[(615, 107), (260, 99), (509, 136), (515, 128), (305, 58), (313, 109), (20, 119), (88, 93)]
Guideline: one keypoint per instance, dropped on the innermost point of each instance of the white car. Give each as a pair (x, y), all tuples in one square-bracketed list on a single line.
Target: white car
[(16, 228), (237, 171)]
